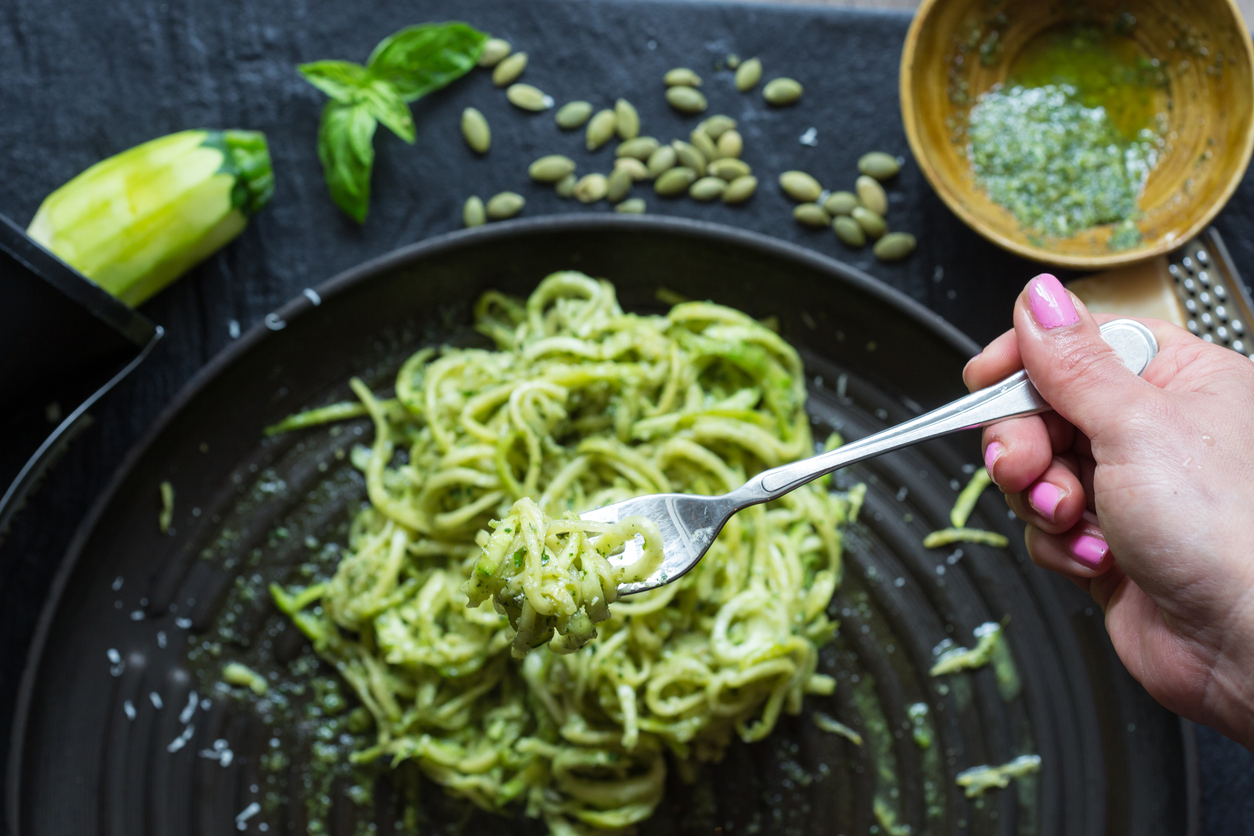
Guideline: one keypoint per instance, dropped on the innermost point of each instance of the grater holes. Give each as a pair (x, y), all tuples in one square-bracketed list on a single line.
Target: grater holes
[(1215, 310)]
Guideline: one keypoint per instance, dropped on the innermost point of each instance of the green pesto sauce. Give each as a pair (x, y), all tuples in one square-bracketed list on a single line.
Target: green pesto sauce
[(886, 802), (922, 729), (1003, 662), (924, 736), (1069, 140)]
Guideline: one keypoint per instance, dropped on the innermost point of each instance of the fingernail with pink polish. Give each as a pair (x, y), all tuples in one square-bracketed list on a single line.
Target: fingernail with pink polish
[(991, 454), (1089, 550), (1050, 303), (1044, 498)]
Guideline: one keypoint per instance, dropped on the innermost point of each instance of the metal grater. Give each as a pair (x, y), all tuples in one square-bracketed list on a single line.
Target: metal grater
[(1215, 300)]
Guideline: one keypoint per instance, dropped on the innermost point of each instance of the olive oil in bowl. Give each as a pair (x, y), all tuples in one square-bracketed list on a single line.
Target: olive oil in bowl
[(1070, 138)]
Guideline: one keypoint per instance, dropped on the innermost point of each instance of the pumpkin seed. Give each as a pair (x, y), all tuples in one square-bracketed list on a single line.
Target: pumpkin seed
[(848, 231), (800, 186), (591, 188), (573, 114), (685, 99), (600, 129), (872, 224), (728, 169), (688, 155), (811, 214), (871, 195), (639, 147), (505, 205), (731, 144), (748, 74), (702, 142), (879, 165), (740, 189), (674, 181), (626, 119), (634, 206), (494, 51), (782, 91), (473, 213), (550, 169), (617, 185), (894, 246), (475, 130), (708, 188), (841, 203), (662, 159), (566, 186), (716, 126), (508, 70), (733, 61), (682, 77), (633, 167), (528, 98)]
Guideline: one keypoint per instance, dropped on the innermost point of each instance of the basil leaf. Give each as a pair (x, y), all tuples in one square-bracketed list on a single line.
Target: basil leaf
[(386, 105), (420, 59), (346, 149), (403, 67), (341, 80)]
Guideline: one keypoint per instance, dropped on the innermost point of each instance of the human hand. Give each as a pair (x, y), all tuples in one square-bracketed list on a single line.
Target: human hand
[(1141, 491)]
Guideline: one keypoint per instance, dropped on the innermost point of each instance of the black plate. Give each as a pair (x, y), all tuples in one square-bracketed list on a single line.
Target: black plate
[(1113, 762)]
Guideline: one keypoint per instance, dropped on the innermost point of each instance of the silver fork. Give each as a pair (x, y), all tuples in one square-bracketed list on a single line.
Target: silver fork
[(689, 523)]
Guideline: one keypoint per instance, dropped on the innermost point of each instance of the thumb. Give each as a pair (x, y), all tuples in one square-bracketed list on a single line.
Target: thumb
[(1073, 368)]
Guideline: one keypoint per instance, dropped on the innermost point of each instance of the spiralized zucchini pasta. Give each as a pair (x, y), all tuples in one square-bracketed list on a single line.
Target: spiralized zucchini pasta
[(554, 576), (579, 405)]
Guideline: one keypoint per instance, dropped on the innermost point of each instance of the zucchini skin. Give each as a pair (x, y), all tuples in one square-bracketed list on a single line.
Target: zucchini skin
[(135, 222)]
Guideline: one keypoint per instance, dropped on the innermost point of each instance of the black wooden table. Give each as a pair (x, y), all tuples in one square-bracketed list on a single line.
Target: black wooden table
[(81, 80)]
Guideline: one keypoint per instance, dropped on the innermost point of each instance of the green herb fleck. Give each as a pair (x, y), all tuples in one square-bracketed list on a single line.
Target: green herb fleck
[(166, 517), (976, 780), (236, 674), (960, 658)]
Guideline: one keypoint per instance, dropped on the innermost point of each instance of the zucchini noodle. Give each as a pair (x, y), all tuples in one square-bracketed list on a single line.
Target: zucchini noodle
[(565, 592), (579, 406)]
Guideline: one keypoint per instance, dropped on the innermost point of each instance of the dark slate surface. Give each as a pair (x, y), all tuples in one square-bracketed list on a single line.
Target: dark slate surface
[(81, 79)]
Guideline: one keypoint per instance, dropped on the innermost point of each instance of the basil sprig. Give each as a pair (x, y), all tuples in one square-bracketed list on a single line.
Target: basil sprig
[(404, 67)]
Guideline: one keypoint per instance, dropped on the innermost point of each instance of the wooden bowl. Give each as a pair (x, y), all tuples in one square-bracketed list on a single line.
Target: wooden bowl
[(1210, 132)]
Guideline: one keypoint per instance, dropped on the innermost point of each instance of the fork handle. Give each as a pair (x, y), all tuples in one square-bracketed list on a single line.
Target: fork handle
[(1014, 396)]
